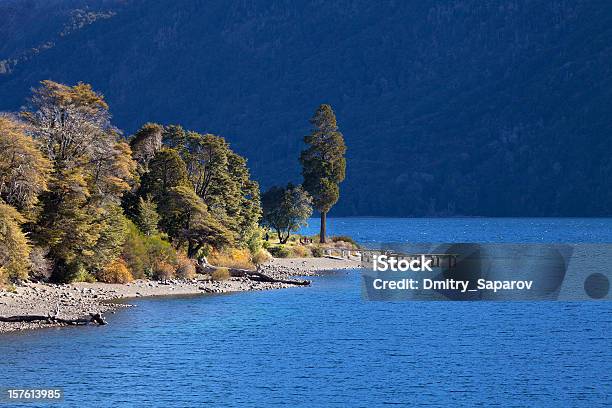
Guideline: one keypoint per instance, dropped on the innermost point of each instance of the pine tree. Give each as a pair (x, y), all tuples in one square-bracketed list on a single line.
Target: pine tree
[(147, 218), (323, 163)]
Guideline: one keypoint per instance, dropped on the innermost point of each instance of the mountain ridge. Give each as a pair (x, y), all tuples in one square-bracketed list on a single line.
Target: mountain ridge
[(497, 108)]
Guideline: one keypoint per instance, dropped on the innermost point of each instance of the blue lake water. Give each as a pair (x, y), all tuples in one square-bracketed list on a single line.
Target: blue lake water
[(325, 346), (532, 230)]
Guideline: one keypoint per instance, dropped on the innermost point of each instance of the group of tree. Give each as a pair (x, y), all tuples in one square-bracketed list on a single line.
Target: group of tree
[(286, 209), (79, 201)]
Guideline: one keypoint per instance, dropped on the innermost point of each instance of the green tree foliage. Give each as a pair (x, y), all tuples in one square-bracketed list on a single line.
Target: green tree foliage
[(191, 223), (24, 170), (221, 178), (14, 247), (134, 251), (323, 162), (286, 210), (147, 218), (70, 170), (113, 230), (248, 203), (166, 171), (183, 214)]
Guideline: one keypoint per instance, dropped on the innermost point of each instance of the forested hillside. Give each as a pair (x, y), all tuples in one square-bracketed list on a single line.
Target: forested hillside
[(464, 107)]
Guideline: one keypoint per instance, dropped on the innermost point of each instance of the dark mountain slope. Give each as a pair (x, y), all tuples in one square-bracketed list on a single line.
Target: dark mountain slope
[(461, 107)]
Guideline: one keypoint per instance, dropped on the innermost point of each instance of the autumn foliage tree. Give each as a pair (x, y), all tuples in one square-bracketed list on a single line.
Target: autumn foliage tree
[(14, 246), (81, 221), (97, 206), (24, 170)]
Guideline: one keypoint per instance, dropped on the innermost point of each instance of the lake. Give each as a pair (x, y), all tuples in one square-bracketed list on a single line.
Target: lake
[(325, 346)]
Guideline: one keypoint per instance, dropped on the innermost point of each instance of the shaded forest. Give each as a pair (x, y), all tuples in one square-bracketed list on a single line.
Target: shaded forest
[(465, 107)]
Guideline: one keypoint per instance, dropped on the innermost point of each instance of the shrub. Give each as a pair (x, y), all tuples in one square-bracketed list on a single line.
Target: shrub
[(163, 271), (262, 256), (186, 268), (77, 273), (220, 274), (159, 252), (115, 272), (279, 251), (317, 251), (299, 251), (143, 253), (345, 239), (232, 258), (135, 252), (254, 241)]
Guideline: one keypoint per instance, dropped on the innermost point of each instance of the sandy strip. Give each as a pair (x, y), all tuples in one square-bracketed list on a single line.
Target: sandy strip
[(79, 299)]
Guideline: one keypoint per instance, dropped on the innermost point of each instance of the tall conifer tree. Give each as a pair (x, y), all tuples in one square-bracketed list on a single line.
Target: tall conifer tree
[(323, 163)]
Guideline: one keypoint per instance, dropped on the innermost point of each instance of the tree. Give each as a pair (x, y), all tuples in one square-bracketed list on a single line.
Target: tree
[(248, 210), (221, 178), (286, 210), (147, 217), (24, 170), (81, 223), (72, 123), (111, 176), (166, 171), (14, 246), (188, 221), (145, 143), (323, 163), (184, 215)]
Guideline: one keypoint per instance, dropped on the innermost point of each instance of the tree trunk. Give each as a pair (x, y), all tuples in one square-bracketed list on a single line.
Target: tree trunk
[(283, 240), (280, 237), (252, 275), (93, 318), (323, 227)]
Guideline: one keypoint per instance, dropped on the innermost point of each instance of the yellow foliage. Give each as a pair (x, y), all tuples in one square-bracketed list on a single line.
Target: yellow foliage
[(232, 258), (186, 267), (299, 251), (261, 256), (163, 271), (14, 247), (220, 274), (115, 272), (24, 169), (80, 94)]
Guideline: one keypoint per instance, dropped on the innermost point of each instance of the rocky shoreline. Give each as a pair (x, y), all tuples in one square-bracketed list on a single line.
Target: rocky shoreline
[(80, 299)]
